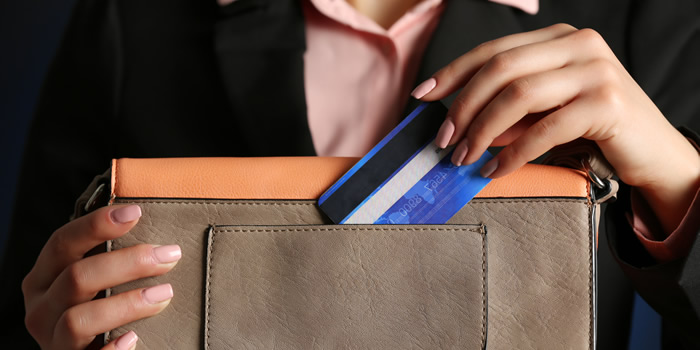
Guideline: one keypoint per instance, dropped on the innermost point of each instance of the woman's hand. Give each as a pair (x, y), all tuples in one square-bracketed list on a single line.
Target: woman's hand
[(535, 90), (59, 290)]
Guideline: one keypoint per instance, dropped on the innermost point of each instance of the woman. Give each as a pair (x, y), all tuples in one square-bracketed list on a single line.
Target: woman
[(191, 78)]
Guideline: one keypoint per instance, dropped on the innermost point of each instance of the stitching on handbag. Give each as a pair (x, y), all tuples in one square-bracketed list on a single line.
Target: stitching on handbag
[(350, 229), (313, 203), (588, 190), (590, 279), (484, 304), (114, 189), (480, 230), (568, 200), (210, 256), (108, 291), (222, 202)]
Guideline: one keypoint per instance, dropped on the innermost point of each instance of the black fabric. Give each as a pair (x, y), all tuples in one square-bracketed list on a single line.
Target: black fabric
[(661, 285), (181, 78), (658, 283), (259, 46)]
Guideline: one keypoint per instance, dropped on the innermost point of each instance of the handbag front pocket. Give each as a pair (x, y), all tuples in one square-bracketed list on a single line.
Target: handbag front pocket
[(346, 286)]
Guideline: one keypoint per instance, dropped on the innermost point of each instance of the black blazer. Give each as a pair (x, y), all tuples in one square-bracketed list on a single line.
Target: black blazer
[(137, 78)]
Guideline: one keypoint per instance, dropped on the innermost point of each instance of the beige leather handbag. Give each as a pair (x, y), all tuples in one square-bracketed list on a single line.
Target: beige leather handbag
[(262, 267)]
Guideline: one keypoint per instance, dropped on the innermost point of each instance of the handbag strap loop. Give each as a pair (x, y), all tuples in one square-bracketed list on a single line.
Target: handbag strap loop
[(586, 156), (94, 196)]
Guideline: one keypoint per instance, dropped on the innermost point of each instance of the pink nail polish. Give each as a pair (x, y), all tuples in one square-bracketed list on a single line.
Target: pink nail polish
[(460, 152), (489, 167), (447, 129), (158, 294), (126, 214), (424, 88), (126, 341), (167, 253)]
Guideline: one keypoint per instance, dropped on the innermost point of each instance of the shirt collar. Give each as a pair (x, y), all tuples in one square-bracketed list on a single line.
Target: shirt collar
[(529, 6)]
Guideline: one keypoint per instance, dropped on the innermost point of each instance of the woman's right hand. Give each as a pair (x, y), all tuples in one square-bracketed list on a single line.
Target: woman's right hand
[(59, 291)]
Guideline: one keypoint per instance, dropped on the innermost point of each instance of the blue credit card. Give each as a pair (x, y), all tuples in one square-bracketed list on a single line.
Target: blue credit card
[(406, 178)]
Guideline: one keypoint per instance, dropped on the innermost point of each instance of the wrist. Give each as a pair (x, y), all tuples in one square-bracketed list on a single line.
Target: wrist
[(671, 195)]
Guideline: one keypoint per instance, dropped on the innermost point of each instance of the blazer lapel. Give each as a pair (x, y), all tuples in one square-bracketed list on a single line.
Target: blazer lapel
[(260, 46), (464, 25)]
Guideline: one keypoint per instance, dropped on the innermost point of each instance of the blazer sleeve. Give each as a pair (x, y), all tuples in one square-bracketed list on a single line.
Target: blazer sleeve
[(66, 147), (663, 50)]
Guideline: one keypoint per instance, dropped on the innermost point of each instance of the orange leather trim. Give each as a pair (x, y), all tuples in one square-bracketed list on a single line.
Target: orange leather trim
[(298, 178)]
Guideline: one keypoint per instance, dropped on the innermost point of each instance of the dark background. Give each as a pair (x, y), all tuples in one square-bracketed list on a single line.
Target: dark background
[(30, 31)]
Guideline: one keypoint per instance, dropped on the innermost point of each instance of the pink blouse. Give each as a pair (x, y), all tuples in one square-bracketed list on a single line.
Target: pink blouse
[(358, 75)]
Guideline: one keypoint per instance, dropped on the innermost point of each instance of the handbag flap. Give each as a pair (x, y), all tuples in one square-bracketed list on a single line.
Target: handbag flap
[(299, 178)]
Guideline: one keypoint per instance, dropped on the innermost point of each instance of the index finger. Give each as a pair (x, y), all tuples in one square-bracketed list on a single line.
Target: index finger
[(73, 240), (458, 72)]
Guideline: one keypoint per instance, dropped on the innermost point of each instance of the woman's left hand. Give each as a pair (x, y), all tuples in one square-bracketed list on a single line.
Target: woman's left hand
[(535, 90)]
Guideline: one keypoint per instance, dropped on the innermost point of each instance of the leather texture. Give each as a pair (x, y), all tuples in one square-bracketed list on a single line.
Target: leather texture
[(349, 286), (271, 271), (540, 270), (298, 178)]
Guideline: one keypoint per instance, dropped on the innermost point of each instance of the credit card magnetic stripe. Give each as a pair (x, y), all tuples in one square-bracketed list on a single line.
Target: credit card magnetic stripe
[(382, 161), (396, 187)]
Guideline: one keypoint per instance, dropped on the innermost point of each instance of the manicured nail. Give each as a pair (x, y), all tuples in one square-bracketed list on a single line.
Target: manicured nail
[(158, 294), (126, 341), (447, 129), (424, 88), (460, 152), (489, 168), (126, 214), (167, 253)]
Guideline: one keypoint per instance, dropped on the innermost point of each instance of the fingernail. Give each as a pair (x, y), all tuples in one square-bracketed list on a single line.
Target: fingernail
[(126, 341), (126, 214), (424, 88), (447, 129), (460, 152), (167, 253), (489, 168), (158, 294)]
